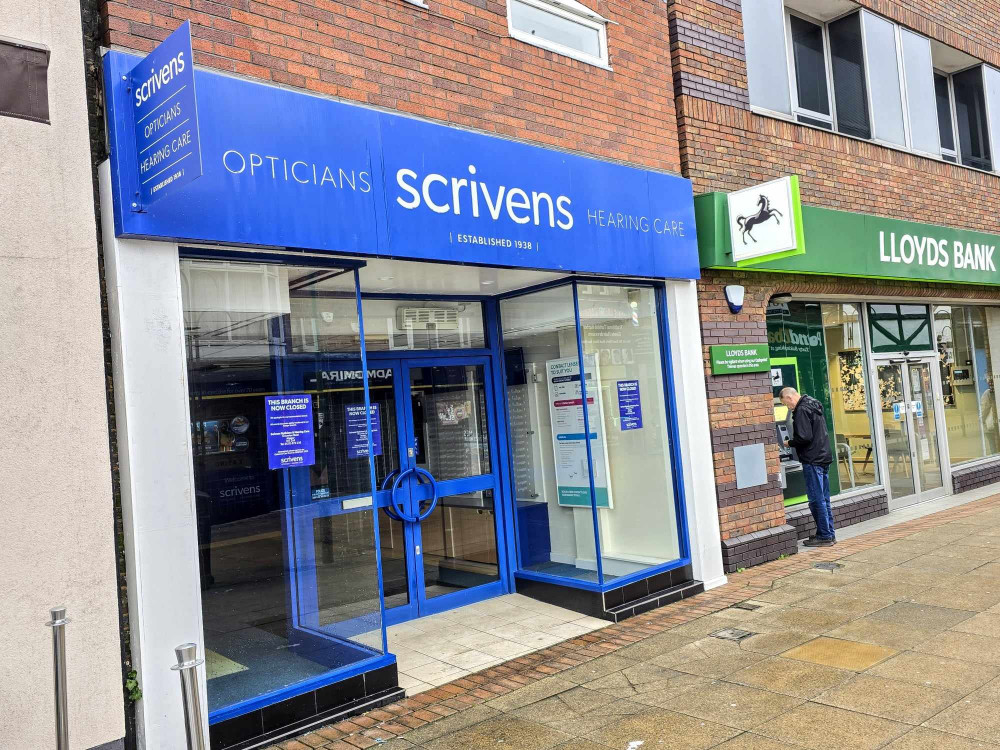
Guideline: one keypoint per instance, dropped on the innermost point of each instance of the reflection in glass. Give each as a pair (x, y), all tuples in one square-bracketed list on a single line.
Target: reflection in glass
[(554, 516), (855, 450), (964, 336), (290, 587), (555, 28), (810, 66), (816, 348), (924, 427), (451, 435), (894, 424), (637, 517), (460, 543), (327, 322)]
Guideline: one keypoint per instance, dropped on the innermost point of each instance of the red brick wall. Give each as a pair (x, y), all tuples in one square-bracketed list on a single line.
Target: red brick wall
[(454, 62), (725, 146)]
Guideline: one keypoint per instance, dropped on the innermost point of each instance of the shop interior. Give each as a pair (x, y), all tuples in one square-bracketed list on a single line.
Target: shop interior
[(923, 351)]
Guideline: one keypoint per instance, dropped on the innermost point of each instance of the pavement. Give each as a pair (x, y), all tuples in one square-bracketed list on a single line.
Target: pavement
[(892, 642)]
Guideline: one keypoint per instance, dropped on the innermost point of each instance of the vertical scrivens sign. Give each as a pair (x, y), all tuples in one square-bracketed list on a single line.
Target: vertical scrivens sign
[(165, 117)]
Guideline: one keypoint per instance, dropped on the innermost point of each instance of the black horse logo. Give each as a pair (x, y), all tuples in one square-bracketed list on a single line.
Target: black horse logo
[(765, 213)]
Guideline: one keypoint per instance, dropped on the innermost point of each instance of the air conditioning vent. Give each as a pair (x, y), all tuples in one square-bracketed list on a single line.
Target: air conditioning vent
[(427, 318)]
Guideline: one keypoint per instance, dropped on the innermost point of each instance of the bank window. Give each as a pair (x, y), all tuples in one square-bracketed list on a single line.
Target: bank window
[(567, 27), (966, 338), (816, 348), (900, 328)]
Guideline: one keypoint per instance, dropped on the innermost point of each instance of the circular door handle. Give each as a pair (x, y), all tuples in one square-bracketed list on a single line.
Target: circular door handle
[(434, 492), (389, 511), (397, 506)]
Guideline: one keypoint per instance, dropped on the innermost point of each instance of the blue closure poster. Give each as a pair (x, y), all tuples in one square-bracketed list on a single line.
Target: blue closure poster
[(629, 405), (165, 118), (357, 431), (290, 441)]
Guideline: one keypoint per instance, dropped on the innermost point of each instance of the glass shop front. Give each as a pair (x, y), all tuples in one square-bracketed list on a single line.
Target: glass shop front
[(908, 390), (482, 461)]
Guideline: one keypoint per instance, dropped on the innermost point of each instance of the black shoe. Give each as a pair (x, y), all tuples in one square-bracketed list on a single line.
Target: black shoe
[(815, 541)]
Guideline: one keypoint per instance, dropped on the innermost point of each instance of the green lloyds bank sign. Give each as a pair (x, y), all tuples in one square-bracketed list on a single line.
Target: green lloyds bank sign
[(841, 243), (735, 358)]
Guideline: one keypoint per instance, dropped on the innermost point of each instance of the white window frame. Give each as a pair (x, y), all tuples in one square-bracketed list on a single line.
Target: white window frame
[(954, 119), (601, 26), (793, 79), (952, 155)]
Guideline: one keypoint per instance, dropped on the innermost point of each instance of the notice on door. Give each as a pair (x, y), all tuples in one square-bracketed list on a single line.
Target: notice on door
[(629, 405), (357, 431), (569, 436), (290, 441)]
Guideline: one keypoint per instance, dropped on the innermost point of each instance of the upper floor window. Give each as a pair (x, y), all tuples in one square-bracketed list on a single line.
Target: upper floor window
[(946, 116), (834, 65), (826, 56), (567, 27), (971, 119)]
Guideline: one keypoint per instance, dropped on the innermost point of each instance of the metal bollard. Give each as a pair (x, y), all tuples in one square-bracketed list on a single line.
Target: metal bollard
[(187, 663), (58, 625)]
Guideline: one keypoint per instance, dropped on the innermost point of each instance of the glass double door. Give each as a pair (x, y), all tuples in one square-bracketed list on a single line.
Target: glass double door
[(915, 468), (434, 453)]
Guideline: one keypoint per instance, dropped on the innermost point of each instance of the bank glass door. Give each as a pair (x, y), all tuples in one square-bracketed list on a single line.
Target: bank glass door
[(435, 474), (915, 469)]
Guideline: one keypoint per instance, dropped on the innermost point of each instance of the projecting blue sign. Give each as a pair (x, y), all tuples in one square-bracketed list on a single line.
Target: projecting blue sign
[(164, 115), (288, 169), (290, 441)]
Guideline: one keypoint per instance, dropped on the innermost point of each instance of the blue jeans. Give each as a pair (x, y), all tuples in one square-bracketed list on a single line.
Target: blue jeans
[(818, 490)]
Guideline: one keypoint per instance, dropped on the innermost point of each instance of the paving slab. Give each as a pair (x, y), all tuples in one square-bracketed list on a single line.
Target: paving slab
[(923, 738), (976, 716), (890, 699), (658, 727), (737, 706), (798, 679), (954, 675), (839, 653), (820, 727)]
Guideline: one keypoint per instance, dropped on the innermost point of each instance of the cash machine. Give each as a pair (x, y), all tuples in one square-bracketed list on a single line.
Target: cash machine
[(784, 373)]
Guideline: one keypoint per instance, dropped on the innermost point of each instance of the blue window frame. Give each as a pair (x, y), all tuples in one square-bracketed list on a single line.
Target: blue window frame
[(528, 519), (499, 367)]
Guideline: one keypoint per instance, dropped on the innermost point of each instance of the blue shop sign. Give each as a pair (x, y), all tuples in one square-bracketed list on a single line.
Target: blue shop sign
[(165, 119), (288, 169)]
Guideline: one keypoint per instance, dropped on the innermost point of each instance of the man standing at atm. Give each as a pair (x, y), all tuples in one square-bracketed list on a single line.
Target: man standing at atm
[(811, 441)]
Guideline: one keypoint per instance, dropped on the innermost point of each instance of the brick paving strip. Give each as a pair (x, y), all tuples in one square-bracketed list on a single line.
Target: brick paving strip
[(381, 725)]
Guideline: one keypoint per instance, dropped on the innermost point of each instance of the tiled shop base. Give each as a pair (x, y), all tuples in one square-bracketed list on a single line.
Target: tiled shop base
[(925, 593), (438, 649)]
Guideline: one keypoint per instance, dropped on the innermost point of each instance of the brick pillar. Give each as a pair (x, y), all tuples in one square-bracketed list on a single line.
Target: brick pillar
[(741, 412)]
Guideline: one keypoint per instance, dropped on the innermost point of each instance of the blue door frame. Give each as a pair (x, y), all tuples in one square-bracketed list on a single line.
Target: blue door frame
[(414, 494)]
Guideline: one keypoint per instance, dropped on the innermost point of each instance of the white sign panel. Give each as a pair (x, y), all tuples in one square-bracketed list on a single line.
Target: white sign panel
[(569, 436), (762, 219)]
